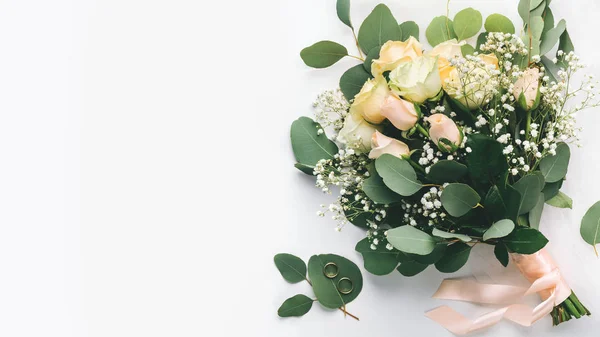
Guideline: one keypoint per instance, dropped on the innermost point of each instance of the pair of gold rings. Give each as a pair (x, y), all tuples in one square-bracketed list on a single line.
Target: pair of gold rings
[(344, 285)]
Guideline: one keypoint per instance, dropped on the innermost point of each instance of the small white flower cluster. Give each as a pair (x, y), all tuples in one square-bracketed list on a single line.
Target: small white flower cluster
[(431, 155), (347, 171), (477, 80), (428, 210), (331, 108)]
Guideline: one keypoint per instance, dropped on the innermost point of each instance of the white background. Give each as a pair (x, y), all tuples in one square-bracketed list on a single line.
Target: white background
[(147, 178)]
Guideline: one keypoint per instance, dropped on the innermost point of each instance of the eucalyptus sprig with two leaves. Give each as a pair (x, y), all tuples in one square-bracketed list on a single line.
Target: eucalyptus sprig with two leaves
[(335, 280)]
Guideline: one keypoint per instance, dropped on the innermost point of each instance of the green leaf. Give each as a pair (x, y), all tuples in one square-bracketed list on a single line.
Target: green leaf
[(486, 162), (343, 12), (409, 28), (446, 171), (590, 226), (398, 175), (565, 44), (323, 54), (411, 268), (536, 27), (372, 55), (499, 229), (408, 239), (455, 258), (529, 186), (548, 21), (561, 200), (499, 23), (525, 241), (551, 69), (438, 251), (550, 39), (459, 199), (555, 167), (503, 203), (353, 80), (526, 6), (295, 306), (326, 289), (308, 145), (467, 49), (378, 28), (446, 235), (291, 267), (308, 169), (535, 216), (551, 189), (467, 23), (501, 254), (376, 190), (441, 29), (380, 261)]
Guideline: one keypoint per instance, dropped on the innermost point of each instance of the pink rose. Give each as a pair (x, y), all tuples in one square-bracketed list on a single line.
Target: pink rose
[(402, 114), (444, 127), (386, 145)]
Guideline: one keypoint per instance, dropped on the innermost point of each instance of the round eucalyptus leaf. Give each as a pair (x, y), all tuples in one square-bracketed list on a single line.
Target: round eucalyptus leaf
[(411, 240), (459, 199), (411, 268), (467, 23), (447, 235), (353, 80), (323, 54), (295, 306), (524, 240), (499, 23), (326, 290), (380, 261), (398, 175), (376, 190), (441, 29), (590, 225), (565, 44), (529, 186), (455, 258), (499, 229), (445, 171), (291, 267), (409, 28), (343, 12), (308, 145), (438, 251), (378, 28), (561, 200), (467, 49), (555, 167), (551, 189)]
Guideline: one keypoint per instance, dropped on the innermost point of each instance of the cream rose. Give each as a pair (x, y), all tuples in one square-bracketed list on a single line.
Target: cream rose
[(417, 80), (445, 52), (474, 88), (370, 99), (402, 114), (528, 85), (443, 127), (386, 145), (357, 130), (394, 53)]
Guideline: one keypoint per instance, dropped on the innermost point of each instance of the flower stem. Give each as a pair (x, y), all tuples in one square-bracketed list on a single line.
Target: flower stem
[(422, 130)]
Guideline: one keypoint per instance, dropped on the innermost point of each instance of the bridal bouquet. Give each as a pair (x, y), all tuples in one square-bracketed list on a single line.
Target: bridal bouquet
[(435, 150)]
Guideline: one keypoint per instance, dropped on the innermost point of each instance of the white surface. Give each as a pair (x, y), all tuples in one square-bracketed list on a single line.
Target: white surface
[(148, 180)]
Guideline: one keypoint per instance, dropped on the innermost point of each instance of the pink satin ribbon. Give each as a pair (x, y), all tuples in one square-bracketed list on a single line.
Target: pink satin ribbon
[(538, 268)]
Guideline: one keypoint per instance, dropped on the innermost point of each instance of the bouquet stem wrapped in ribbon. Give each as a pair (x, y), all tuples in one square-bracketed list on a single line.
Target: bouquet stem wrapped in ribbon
[(539, 268), (435, 150)]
